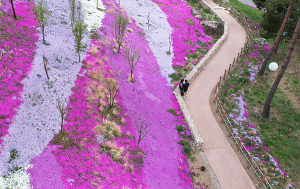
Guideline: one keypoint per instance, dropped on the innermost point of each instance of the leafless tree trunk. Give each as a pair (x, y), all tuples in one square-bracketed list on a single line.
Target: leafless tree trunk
[(113, 90), (45, 62), (119, 28), (148, 20), (13, 8), (169, 52), (142, 132), (62, 110), (266, 110), (267, 59), (132, 57)]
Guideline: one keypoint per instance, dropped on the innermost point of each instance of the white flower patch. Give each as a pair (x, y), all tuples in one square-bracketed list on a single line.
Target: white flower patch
[(20, 179), (38, 118), (92, 15), (158, 32)]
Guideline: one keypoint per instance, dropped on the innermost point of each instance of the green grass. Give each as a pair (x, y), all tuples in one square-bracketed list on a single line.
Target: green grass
[(281, 131), (252, 13)]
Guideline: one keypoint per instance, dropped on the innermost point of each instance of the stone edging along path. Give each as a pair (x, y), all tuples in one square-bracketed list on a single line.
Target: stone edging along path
[(198, 141)]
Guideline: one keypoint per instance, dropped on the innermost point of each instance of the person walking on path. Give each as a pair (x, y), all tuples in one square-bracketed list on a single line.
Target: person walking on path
[(181, 87), (185, 87)]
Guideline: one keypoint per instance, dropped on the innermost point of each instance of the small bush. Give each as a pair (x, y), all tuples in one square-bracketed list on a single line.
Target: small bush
[(185, 69), (207, 11), (246, 71), (187, 149), (176, 76), (244, 80), (183, 142), (172, 111), (180, 128)]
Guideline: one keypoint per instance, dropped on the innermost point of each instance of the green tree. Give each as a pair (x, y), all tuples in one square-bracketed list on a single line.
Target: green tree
[(79, 31), (42, 14), (276, 11), (260, 4), (276, 43), (72, 4)]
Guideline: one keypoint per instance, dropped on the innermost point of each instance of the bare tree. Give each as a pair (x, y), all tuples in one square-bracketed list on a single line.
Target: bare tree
[(62, 110), (142, 127), (13, 8), (113, 90), (45, 62), (148, 20), (189, 22), (268, 101), (119, 28), (79, 31), (275, 45), (169, 52), (132, 57)]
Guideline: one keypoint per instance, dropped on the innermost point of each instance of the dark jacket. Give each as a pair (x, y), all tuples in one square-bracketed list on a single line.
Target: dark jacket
[(185, 86), (181, 86)]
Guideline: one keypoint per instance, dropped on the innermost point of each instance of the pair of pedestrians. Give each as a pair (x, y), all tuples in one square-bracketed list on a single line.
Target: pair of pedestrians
[(183, 87)]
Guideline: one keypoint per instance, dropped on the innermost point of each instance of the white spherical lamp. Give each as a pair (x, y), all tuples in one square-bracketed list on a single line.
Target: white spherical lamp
[(273, 66)]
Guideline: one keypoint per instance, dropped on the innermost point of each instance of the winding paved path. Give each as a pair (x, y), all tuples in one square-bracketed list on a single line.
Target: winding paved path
[(224, 162)]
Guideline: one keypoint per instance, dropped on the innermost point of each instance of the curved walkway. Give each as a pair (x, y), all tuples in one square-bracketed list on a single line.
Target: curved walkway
[(223, 160)]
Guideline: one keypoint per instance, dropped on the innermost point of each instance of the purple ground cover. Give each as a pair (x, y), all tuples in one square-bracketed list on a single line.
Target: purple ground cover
[(46, 172), (17, 46), (178, 12), (149, 98), (86, 164)]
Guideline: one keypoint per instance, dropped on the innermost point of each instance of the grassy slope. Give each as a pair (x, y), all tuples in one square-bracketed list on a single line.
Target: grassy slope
[(252, 13), (281, 132)]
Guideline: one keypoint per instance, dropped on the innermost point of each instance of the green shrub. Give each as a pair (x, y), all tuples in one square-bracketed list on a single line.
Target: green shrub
[(244, 80), (171, 110), (187, 149), (207, 11), (180, 128), (246, 71), (176, 76), (185, 69), (183, 143)]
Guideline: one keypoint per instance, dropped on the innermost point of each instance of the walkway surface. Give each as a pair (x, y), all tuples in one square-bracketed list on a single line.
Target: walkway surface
[(223, 160)]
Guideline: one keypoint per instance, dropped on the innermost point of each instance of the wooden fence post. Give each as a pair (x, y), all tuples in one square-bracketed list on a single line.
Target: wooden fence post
[(230, 131), (224, 75), (219, 106), (249, 163), (240, 143), (223, 116), (262, 180), (216, 98), (216, 87)]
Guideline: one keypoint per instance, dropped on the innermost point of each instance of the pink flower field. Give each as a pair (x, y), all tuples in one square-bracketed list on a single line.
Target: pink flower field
[(100, 143)]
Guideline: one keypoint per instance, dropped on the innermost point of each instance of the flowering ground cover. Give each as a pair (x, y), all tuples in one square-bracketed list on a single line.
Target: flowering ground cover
[(149, 98), (243, 95), (190, 43), (97, 144), (37, 119), (18, 39)]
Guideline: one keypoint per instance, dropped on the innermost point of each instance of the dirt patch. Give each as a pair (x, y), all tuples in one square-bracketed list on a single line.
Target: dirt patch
[(201, 178)]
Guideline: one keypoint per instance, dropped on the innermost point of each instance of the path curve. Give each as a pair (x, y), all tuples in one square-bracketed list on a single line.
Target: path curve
[(223, 160)]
